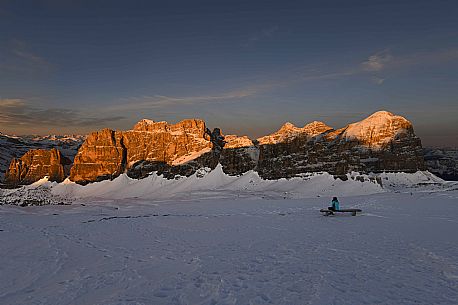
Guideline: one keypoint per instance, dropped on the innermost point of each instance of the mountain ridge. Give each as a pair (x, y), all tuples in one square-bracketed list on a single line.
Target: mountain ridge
[(381, 142)]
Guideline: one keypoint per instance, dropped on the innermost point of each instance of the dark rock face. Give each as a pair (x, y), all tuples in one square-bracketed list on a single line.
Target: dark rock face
[(240, 155), (145, 168), (36, 164), (442, 162), (382, 142)]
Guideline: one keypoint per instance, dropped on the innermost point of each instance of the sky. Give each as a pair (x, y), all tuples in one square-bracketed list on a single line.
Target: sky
[(72, 67)]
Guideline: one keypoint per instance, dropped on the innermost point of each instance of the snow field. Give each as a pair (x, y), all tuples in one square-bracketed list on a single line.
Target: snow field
[(401, 250)]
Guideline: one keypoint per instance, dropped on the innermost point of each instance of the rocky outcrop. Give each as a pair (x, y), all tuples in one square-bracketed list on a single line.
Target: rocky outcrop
[(289, 132), (102, 156), (16, 146), (163, 142), (382, 142), (240, 155), (376, 131), (36, 164), (442, 162), (148, 146)]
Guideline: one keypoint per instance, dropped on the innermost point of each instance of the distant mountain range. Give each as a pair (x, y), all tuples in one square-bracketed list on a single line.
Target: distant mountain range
[(381, 142), (16, 146), (442, 162)]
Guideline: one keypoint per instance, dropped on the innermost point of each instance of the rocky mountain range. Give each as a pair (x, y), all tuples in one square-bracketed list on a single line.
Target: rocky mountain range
[(443, 162), (381, 142), (16, 146)]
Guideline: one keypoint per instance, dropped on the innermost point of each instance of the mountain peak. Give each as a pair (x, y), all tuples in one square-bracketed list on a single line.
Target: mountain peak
[(147, 121), (288, 125), (378, 129), (382, 113), (163, 126), (288, 132), (316, 127)]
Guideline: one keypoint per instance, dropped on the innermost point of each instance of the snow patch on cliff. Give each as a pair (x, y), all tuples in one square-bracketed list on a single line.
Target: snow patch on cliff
[(190, 156)]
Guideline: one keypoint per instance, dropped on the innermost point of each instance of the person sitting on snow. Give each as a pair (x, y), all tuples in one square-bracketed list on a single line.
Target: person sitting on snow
[(334, 204)]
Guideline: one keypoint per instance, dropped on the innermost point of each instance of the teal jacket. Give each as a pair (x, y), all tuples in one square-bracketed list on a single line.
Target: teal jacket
[(335, 204)]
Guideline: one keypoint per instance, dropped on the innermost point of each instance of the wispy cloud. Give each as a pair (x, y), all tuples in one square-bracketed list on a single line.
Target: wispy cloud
[(145, 102), (17, 112), (18, 57), (21, 50), (378, 80), (162, 101), (261, 35), (384, 62), (377, 61), (11, 103), (384, 59)]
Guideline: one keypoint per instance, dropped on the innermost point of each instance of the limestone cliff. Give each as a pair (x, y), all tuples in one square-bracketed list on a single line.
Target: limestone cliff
[(160, 141), (102, 156), (239, 155), (108, 153), (382, 142), (442, 162), (289, 132), (36, 164)]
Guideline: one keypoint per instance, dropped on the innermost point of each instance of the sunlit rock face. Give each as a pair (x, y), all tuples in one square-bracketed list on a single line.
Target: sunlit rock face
[(107, 153), (377, 131), (102, 156), (381, 142), (35, 165), (289, 132), (163, 142), (238, 156), (16, 146)]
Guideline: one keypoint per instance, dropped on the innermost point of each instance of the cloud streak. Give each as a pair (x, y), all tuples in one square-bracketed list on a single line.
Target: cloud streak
[(18, 57), (261, 35), (162, 101), (19, 113), (377, 61), (11, 103), (385, 60)]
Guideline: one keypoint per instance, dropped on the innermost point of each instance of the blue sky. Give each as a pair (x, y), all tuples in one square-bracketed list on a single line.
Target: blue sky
[(69, 66)]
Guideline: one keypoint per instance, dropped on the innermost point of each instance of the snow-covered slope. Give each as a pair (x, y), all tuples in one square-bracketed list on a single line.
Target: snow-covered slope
[(217, 184), (401, 250), (207, 183)]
